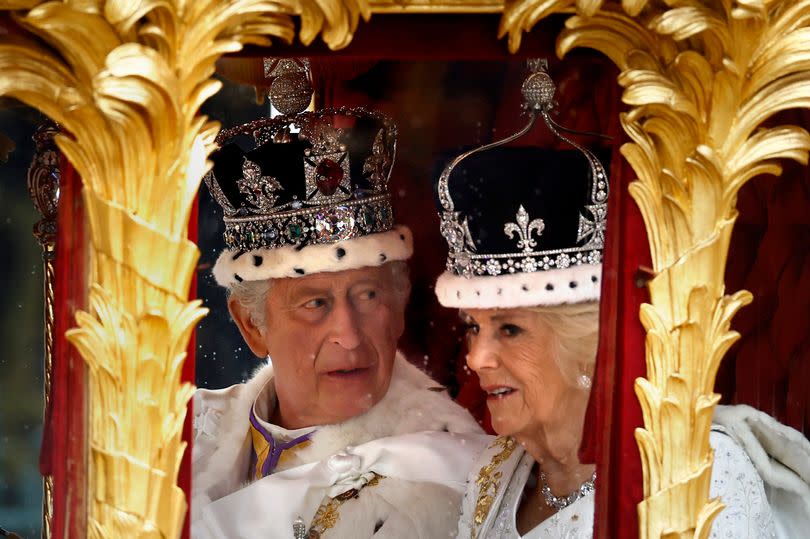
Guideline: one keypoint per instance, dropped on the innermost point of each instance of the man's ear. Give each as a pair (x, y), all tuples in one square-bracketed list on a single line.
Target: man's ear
[(250, 332)]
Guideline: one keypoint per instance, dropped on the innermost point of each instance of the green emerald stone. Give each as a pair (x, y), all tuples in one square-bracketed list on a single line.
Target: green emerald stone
[(368, 217), (295, 231)]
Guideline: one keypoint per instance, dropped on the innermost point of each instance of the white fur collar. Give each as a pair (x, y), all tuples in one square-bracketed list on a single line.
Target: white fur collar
[(221, 447)]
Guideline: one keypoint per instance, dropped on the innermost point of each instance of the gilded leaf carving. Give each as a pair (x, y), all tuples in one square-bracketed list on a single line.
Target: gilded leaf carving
[(336, 20), (701, 79), (521, 15)]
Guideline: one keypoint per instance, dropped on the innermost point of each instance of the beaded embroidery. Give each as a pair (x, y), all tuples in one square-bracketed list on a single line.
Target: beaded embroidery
[(489, 481)]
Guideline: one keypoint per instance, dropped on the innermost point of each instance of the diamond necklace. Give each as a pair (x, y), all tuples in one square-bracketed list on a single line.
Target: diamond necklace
[(561, 502)]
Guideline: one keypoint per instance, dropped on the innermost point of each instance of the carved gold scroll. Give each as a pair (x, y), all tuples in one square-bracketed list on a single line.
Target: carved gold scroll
[(126, 80)]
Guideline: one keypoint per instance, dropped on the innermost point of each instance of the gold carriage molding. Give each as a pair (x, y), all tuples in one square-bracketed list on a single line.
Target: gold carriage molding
[(125, 80)]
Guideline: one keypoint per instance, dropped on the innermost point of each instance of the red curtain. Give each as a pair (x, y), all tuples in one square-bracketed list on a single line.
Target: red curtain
[(184, 477), (614, 411), (64, 445), (769, 368)]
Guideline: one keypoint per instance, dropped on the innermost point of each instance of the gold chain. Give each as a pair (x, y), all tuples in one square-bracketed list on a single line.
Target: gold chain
[(327, 515)]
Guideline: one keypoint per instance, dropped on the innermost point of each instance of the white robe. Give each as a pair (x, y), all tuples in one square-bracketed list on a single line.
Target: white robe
[(422, 443), (749, 447)]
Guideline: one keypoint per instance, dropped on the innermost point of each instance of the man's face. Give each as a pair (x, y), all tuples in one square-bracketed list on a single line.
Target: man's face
[(332, 339)]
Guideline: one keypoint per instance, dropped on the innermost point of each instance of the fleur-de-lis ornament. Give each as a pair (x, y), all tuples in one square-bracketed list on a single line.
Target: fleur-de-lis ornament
[(324, 137), (378, 164), (259, 190), (524, 229)]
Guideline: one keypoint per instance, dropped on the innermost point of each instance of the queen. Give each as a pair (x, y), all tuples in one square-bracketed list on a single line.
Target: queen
[(525, 229)]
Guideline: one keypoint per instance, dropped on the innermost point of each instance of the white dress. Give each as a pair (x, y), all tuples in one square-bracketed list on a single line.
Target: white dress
[(747, 514)]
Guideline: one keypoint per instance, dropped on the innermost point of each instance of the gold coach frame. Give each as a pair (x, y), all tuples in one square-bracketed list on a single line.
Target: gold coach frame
[(126, 79)]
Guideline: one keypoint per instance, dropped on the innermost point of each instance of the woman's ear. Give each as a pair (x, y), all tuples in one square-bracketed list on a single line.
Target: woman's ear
[(253, 335)]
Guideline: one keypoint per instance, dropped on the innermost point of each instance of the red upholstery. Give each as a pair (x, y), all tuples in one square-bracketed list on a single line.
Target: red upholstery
[(769, 368), (63, 436), (184, 476)]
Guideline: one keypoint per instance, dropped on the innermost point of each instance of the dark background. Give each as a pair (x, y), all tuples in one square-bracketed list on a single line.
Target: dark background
[(21, 329)]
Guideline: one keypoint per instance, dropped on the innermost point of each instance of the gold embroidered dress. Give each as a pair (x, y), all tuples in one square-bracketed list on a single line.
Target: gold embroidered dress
[(503, 471)]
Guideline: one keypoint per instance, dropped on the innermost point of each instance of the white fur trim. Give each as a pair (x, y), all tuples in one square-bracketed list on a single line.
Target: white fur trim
[(551, 287), (288, 261), (222, 450)]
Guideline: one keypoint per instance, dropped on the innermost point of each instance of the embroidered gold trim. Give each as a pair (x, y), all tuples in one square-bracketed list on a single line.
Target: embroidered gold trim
[(327, 515), (489, 481)]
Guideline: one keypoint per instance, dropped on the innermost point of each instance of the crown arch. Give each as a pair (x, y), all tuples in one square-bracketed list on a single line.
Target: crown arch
[(126, 81)]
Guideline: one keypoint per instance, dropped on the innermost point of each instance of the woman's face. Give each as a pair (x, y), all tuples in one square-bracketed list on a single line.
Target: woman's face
[(512, 350)]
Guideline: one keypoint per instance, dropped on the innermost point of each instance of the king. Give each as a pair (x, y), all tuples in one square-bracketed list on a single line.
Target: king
[(337, 435)]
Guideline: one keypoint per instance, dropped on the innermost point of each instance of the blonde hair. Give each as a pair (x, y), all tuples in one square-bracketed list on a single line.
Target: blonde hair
[(576, 336)]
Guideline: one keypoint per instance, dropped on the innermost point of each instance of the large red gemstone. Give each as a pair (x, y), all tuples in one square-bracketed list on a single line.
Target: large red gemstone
[(328, 177)]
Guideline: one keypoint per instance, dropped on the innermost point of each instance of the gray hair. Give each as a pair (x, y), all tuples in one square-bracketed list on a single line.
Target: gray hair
[(576, 336), (252, 295)]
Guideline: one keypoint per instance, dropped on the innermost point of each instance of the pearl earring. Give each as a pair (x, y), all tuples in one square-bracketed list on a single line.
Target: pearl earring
[(584, 381)]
